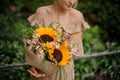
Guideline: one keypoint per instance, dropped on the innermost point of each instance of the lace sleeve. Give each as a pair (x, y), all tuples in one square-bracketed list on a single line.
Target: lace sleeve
[(84, 25)]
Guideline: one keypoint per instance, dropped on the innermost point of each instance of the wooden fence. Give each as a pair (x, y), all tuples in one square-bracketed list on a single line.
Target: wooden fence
[(93, 55)]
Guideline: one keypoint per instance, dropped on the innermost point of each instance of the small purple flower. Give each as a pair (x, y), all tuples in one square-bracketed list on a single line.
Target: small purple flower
[(13, 8)]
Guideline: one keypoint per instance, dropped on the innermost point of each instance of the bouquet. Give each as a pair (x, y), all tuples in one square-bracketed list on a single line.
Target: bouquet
[(49, 41)]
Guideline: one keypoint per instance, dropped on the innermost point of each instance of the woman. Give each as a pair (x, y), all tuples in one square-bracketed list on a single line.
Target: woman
[(73, 25)]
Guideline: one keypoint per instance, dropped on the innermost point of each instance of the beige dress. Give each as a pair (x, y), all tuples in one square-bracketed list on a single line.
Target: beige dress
[(52, 71)]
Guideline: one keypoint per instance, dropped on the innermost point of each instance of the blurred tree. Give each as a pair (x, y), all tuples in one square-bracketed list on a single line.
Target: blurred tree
[(104, 13)]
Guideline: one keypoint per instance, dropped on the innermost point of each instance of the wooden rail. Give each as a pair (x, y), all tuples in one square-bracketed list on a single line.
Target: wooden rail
[(94, 55)]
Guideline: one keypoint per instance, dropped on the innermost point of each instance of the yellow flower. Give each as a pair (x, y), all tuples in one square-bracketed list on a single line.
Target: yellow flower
[(47, 34), (61, 54)]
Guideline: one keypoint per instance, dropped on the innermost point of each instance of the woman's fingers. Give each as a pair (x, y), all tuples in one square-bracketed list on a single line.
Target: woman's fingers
[(34, 70), (36, 73), (31, 72)]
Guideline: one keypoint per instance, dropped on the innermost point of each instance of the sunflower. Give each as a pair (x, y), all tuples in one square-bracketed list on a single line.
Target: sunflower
[(61, 54), (47, 34)]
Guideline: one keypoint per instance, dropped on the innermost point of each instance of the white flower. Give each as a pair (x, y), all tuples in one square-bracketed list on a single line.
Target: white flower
[(75, 51), (40, 51), (57, 46), (52, 44)]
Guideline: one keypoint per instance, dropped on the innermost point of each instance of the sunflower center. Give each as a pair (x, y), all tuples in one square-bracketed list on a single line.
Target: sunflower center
[(57, 55), (46, 38)]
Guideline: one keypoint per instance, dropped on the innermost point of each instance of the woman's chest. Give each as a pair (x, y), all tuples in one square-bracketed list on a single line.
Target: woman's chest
[(62, 19)]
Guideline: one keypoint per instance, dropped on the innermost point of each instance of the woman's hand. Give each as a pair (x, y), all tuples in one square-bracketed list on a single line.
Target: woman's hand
[(33, 71), (36, 73)]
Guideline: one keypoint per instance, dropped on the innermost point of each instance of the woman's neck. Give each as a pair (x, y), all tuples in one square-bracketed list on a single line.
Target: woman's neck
[(60, 13), (59, 9)]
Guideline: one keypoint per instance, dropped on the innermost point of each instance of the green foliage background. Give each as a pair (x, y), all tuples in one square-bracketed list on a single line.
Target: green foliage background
[(103, 17)]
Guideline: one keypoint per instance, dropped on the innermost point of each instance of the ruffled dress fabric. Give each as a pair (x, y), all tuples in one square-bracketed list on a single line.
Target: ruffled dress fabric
[(52, 71)]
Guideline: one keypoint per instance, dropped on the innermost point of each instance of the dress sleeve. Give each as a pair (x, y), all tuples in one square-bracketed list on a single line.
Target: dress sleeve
[(79, 26), (35, 18), (76, 38), (31, 19), (84, 25)]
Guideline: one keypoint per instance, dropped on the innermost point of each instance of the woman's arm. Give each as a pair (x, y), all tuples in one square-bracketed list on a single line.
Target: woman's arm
[(76, 40)]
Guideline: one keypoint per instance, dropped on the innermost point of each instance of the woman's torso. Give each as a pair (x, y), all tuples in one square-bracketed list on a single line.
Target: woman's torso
[(68, 20)]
